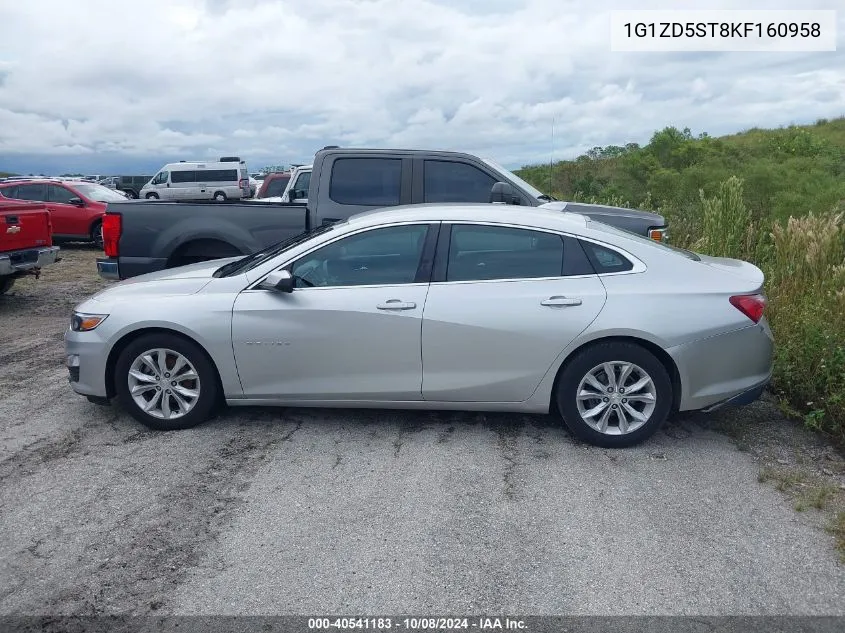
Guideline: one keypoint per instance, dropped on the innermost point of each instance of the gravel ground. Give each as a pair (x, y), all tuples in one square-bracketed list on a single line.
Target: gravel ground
[(285, 511)]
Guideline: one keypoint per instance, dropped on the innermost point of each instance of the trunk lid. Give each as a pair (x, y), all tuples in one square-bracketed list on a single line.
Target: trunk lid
[(738, 268), (24, 226)]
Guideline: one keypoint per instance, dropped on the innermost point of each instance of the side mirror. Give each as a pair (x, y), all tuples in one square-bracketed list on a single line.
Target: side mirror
[(278, 280), (77, 202), (503, 193)]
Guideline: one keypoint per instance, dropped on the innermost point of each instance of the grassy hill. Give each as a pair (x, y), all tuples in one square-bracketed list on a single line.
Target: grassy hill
[(772, 197)]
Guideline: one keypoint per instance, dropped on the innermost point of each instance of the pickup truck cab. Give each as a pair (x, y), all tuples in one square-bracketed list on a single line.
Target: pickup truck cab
[(26, 244), (141, 237)]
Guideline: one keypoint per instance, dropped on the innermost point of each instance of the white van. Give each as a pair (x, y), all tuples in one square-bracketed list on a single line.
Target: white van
[(226, 179)]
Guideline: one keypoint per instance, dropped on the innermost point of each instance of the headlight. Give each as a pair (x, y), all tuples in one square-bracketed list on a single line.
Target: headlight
[(80, 322)]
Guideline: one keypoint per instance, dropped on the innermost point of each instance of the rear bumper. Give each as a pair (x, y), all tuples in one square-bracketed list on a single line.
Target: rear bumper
[(124, 267), (21, 262), (731, 368)]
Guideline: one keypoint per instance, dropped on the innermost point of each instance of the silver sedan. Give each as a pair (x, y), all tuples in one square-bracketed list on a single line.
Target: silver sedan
[(471, 307)]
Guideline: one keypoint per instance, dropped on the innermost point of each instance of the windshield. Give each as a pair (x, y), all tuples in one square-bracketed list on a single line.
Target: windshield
[(99, 193), (644, 240), (256, 259), (531, 189)]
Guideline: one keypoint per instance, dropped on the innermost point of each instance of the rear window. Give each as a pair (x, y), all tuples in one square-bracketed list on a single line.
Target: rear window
[(366, 181), (276, 187)]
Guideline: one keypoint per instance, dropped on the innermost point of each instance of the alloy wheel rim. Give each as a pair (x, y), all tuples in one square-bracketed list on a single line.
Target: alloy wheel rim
[(164, 383), (616, 398)]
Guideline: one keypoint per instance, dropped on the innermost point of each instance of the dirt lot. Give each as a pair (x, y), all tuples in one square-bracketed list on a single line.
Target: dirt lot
[(274, 511)]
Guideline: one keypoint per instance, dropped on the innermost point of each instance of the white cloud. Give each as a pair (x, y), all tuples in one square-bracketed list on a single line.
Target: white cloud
[(275, 80)]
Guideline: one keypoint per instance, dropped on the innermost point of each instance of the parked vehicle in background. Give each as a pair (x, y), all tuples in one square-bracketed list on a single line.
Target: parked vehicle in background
[(226, 179), (26, 244), (466, 307), (76, 207), (145, 237), (94, 178), (298, 186), (273, 186), (130, 185)]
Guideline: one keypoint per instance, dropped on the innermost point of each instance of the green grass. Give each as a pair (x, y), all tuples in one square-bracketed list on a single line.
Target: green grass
[(772, 197)]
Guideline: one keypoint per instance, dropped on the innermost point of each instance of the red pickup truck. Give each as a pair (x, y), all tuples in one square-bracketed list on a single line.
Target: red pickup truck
[(26, 243)]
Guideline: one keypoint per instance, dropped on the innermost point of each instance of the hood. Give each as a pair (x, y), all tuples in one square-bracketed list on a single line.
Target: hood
[(173, 282), (600, 211), (737, 268)]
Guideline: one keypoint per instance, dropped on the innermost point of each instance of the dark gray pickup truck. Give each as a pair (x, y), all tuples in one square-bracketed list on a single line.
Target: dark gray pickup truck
[(146, 236)]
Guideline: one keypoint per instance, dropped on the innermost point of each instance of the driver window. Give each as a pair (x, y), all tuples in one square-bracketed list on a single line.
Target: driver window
[(385, 256), (60, 194), (160, 178)]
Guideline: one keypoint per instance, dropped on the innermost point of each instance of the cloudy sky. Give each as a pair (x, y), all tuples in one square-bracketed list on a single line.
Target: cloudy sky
[(111, 86)]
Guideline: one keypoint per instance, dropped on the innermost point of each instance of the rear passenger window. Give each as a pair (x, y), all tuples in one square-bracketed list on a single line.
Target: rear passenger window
[(183, 176), (605, 260), (37, 193), (479, 252), (366, 181), (448, 181)]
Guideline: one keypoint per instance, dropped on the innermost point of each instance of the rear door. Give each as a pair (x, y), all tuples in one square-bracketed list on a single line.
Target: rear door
[(503, 304), (352, 184)]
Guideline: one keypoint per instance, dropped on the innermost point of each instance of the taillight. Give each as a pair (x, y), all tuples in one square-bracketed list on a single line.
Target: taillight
[(659, 235), (751, 306), (112, 226)]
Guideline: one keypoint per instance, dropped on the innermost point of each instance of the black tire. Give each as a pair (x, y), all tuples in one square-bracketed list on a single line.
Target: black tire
[(588, 360), (209, 389), (131, 194), (220, 196), (5, 284), (151, 196), (97, 234)]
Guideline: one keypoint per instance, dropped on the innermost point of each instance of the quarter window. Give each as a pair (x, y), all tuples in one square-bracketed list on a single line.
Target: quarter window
[(478, 252), (37, 193), (448, 181), (605, 260), (386, 256), (370, 182)]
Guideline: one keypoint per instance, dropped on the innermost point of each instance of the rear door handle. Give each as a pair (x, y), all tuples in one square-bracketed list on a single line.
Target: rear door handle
[(396, 304), (559, 302)]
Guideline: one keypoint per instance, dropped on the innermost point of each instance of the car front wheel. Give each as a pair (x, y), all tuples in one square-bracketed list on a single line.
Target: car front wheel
[(166, 382), (614, 394)]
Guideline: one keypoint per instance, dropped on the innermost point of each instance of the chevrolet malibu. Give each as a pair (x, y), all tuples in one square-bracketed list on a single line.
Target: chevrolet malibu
[(467, 307)]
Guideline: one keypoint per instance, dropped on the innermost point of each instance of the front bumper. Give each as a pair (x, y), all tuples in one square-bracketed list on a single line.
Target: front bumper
[(85, 357), (21, 262)]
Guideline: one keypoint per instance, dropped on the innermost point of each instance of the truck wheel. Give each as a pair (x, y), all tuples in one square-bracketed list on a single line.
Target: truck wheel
[(5, 284), (152, 196), (166, 382), (131, 194), (614, 394), (219, 196), (97, 234)]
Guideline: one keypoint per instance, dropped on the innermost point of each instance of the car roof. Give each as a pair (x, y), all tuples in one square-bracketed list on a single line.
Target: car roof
[(51, 181), (472, 212)]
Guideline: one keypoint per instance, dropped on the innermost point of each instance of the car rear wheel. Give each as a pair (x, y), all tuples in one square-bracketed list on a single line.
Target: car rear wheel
[(166, 382), (97, 234), (5, 284), (131, 194), (220, 196), (614, 394), (151, 196)]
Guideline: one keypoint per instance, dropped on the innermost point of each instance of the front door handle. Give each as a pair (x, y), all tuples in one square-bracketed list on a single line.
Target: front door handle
[(559, 301), (396, 304)]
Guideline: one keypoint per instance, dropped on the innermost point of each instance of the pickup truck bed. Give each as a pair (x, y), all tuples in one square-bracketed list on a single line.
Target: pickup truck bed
[(25, 241)]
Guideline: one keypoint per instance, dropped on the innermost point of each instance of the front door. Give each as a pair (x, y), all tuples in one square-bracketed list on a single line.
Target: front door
[(350, 330), (67, 218)]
